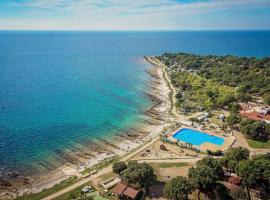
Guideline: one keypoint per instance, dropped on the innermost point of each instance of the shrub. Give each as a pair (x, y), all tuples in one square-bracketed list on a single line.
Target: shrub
[(119, 167)]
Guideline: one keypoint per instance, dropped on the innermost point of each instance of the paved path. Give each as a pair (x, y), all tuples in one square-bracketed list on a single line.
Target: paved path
[(241, 141), (171, 160), (100, 173)]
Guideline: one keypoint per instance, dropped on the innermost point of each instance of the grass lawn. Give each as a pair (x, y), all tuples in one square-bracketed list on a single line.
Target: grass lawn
[(258, 145), (168, 165), (49, 191), (157, 165), (107, 176)]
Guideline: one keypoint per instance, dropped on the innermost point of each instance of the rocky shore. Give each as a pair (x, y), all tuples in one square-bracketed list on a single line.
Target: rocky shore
[(151, 123)]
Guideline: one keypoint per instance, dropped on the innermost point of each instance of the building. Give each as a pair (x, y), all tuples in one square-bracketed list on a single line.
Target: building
[(235, 180), (255, 112), (124, 191)]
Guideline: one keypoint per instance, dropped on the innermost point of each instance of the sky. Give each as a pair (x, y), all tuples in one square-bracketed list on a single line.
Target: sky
[(134, 14)]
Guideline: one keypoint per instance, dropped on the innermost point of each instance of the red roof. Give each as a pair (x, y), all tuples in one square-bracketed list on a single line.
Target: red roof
[(131, 192), (255, 116), (119, 188), (235, 180), (122, 188)]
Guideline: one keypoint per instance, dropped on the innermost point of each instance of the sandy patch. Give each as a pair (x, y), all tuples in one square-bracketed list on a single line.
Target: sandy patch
[(166, 174)]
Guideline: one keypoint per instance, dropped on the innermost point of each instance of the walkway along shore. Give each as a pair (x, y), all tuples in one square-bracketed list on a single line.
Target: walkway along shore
[(154, 61)]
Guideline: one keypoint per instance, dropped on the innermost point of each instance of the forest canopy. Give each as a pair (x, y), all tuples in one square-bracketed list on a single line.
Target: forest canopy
[(216, 81), (250, 75)]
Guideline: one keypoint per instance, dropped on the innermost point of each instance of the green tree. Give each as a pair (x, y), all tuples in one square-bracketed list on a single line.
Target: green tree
[(213, 163), (233, 119), (243, 97), (234, 107), (119, 167), (203, 178), (255, 173), (205, 174), (140, 174), (178, 188), (266, 99), (257, 130), (225, 99), (233, 157)]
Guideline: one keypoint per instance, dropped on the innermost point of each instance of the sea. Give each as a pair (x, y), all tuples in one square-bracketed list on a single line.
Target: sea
[(60, 89)]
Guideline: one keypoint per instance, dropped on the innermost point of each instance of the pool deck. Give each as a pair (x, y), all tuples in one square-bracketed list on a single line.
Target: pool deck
[(228, 139)]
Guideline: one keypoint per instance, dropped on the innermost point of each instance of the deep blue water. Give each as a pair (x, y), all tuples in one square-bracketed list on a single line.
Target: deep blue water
[(196, 137), (59, 89)]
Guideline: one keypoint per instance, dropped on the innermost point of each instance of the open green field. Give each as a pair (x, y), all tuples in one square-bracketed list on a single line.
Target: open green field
[(258, 145), (168, 165)]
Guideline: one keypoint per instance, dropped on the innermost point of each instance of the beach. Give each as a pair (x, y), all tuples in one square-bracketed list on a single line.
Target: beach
[(151, 124)]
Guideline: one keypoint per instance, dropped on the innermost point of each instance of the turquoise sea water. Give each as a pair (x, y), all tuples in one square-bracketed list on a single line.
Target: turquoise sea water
[(61, 89), (196, 137)]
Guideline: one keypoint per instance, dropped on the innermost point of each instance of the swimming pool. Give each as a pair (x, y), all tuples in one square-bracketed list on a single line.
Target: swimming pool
[(196, 137)]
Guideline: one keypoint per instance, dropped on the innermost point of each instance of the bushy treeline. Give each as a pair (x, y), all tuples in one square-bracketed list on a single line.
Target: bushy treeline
[(256, 130), (249, 75), (206, 176)]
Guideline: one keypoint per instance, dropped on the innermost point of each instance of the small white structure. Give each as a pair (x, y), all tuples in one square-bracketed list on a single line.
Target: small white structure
[(222, 117), (87, 189), (203, 116)]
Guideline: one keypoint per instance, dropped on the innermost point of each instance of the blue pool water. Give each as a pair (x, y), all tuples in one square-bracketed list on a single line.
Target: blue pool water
[(197, 137)]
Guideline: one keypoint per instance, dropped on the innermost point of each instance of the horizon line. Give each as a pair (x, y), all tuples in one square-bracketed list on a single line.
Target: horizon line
[(133, 30)]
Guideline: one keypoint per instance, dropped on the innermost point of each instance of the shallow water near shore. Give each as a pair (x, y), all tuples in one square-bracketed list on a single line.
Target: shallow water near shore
[(59, 90)]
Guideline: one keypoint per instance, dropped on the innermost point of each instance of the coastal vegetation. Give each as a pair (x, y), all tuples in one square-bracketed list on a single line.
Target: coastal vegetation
[(208, 174), (255, 130), (46, 192), (139, 174), (178, 188), (195, 92), (266, 99), (258, 145), (249, 75), (216, 81), (205, 174), (255, 173), (233, 157), (119, 167)]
